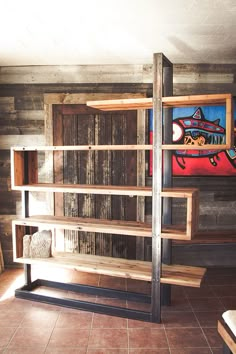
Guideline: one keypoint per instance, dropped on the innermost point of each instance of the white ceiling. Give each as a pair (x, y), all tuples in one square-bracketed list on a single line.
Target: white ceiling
[(78, 32)]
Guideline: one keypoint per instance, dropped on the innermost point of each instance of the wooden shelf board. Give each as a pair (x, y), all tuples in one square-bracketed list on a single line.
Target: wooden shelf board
[(147, 103), (177, 192), (118, 227), (211, 237), (146, 147), (107, 189), (123, 104), (196, 100), (117, 267), (82, 147), (87, 189), (178, 101)]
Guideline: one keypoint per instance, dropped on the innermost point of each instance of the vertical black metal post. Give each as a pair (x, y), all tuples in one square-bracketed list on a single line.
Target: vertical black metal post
[(25, 213), (156, 188), (167, 175)]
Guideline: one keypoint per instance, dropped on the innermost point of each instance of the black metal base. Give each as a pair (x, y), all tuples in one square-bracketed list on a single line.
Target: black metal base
[(26, 292), (226, 349)]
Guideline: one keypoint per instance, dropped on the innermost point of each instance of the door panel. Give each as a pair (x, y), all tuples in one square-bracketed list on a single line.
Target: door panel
[(82, 125)]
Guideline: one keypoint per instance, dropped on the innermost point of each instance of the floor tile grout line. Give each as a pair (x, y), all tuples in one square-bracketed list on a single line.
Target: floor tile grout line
[(16, 328), (213, 290), (13, 335), (201, 328), (59, 312), (90, 330), (220, 301), (128, 341)]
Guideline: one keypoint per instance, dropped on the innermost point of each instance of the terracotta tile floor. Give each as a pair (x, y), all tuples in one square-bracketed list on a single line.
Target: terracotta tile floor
[(188, 325)]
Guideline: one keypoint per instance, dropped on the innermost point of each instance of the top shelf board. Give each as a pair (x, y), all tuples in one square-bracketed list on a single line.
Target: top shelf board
[(179, 101), (173, 101), (125, 268), (82, 147)]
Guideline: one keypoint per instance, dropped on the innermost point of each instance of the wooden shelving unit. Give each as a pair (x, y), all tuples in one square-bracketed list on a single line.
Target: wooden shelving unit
[(172, 101), (160, 272), (20, 156)]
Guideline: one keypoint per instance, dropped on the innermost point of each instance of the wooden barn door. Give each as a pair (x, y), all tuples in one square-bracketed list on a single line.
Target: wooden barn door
[(77, 124)]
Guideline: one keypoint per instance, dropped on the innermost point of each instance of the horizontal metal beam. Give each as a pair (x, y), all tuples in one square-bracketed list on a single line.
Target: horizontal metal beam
[(26, 292)]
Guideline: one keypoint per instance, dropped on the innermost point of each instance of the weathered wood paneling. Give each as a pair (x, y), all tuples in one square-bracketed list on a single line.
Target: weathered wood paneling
[(128, 74), (7, 104), (8, 202), (6, 141), (204, 78), (103, 128), (21, 127), (75, 74)]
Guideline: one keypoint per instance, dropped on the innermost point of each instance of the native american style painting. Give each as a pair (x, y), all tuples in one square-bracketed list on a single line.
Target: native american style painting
[(199, 126)]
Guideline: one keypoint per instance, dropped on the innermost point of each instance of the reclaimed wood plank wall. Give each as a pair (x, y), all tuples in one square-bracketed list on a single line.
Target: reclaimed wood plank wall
[(22, 123)]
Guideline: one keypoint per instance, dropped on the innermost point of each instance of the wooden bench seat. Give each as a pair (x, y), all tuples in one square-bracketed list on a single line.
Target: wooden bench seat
[(227, 331)]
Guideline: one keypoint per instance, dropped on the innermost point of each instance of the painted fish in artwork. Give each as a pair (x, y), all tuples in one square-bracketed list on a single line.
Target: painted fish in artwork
[(197, 130)]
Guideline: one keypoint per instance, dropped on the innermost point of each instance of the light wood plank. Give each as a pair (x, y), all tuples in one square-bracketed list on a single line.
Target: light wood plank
[(87, 189), (195, 147), (102, 189), (192, 100), (83, 147), (122, 104), (179, 101), (172, 101), (82, 98), (227, 335), (118, 227), (131, 228), (117, 267), (7, 141)]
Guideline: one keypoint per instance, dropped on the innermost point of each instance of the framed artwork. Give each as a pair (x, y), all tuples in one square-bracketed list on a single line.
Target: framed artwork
[(191, 125)]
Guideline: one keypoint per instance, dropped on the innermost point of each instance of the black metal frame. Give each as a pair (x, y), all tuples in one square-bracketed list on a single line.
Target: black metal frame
[(161, 210), (27, 292)]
